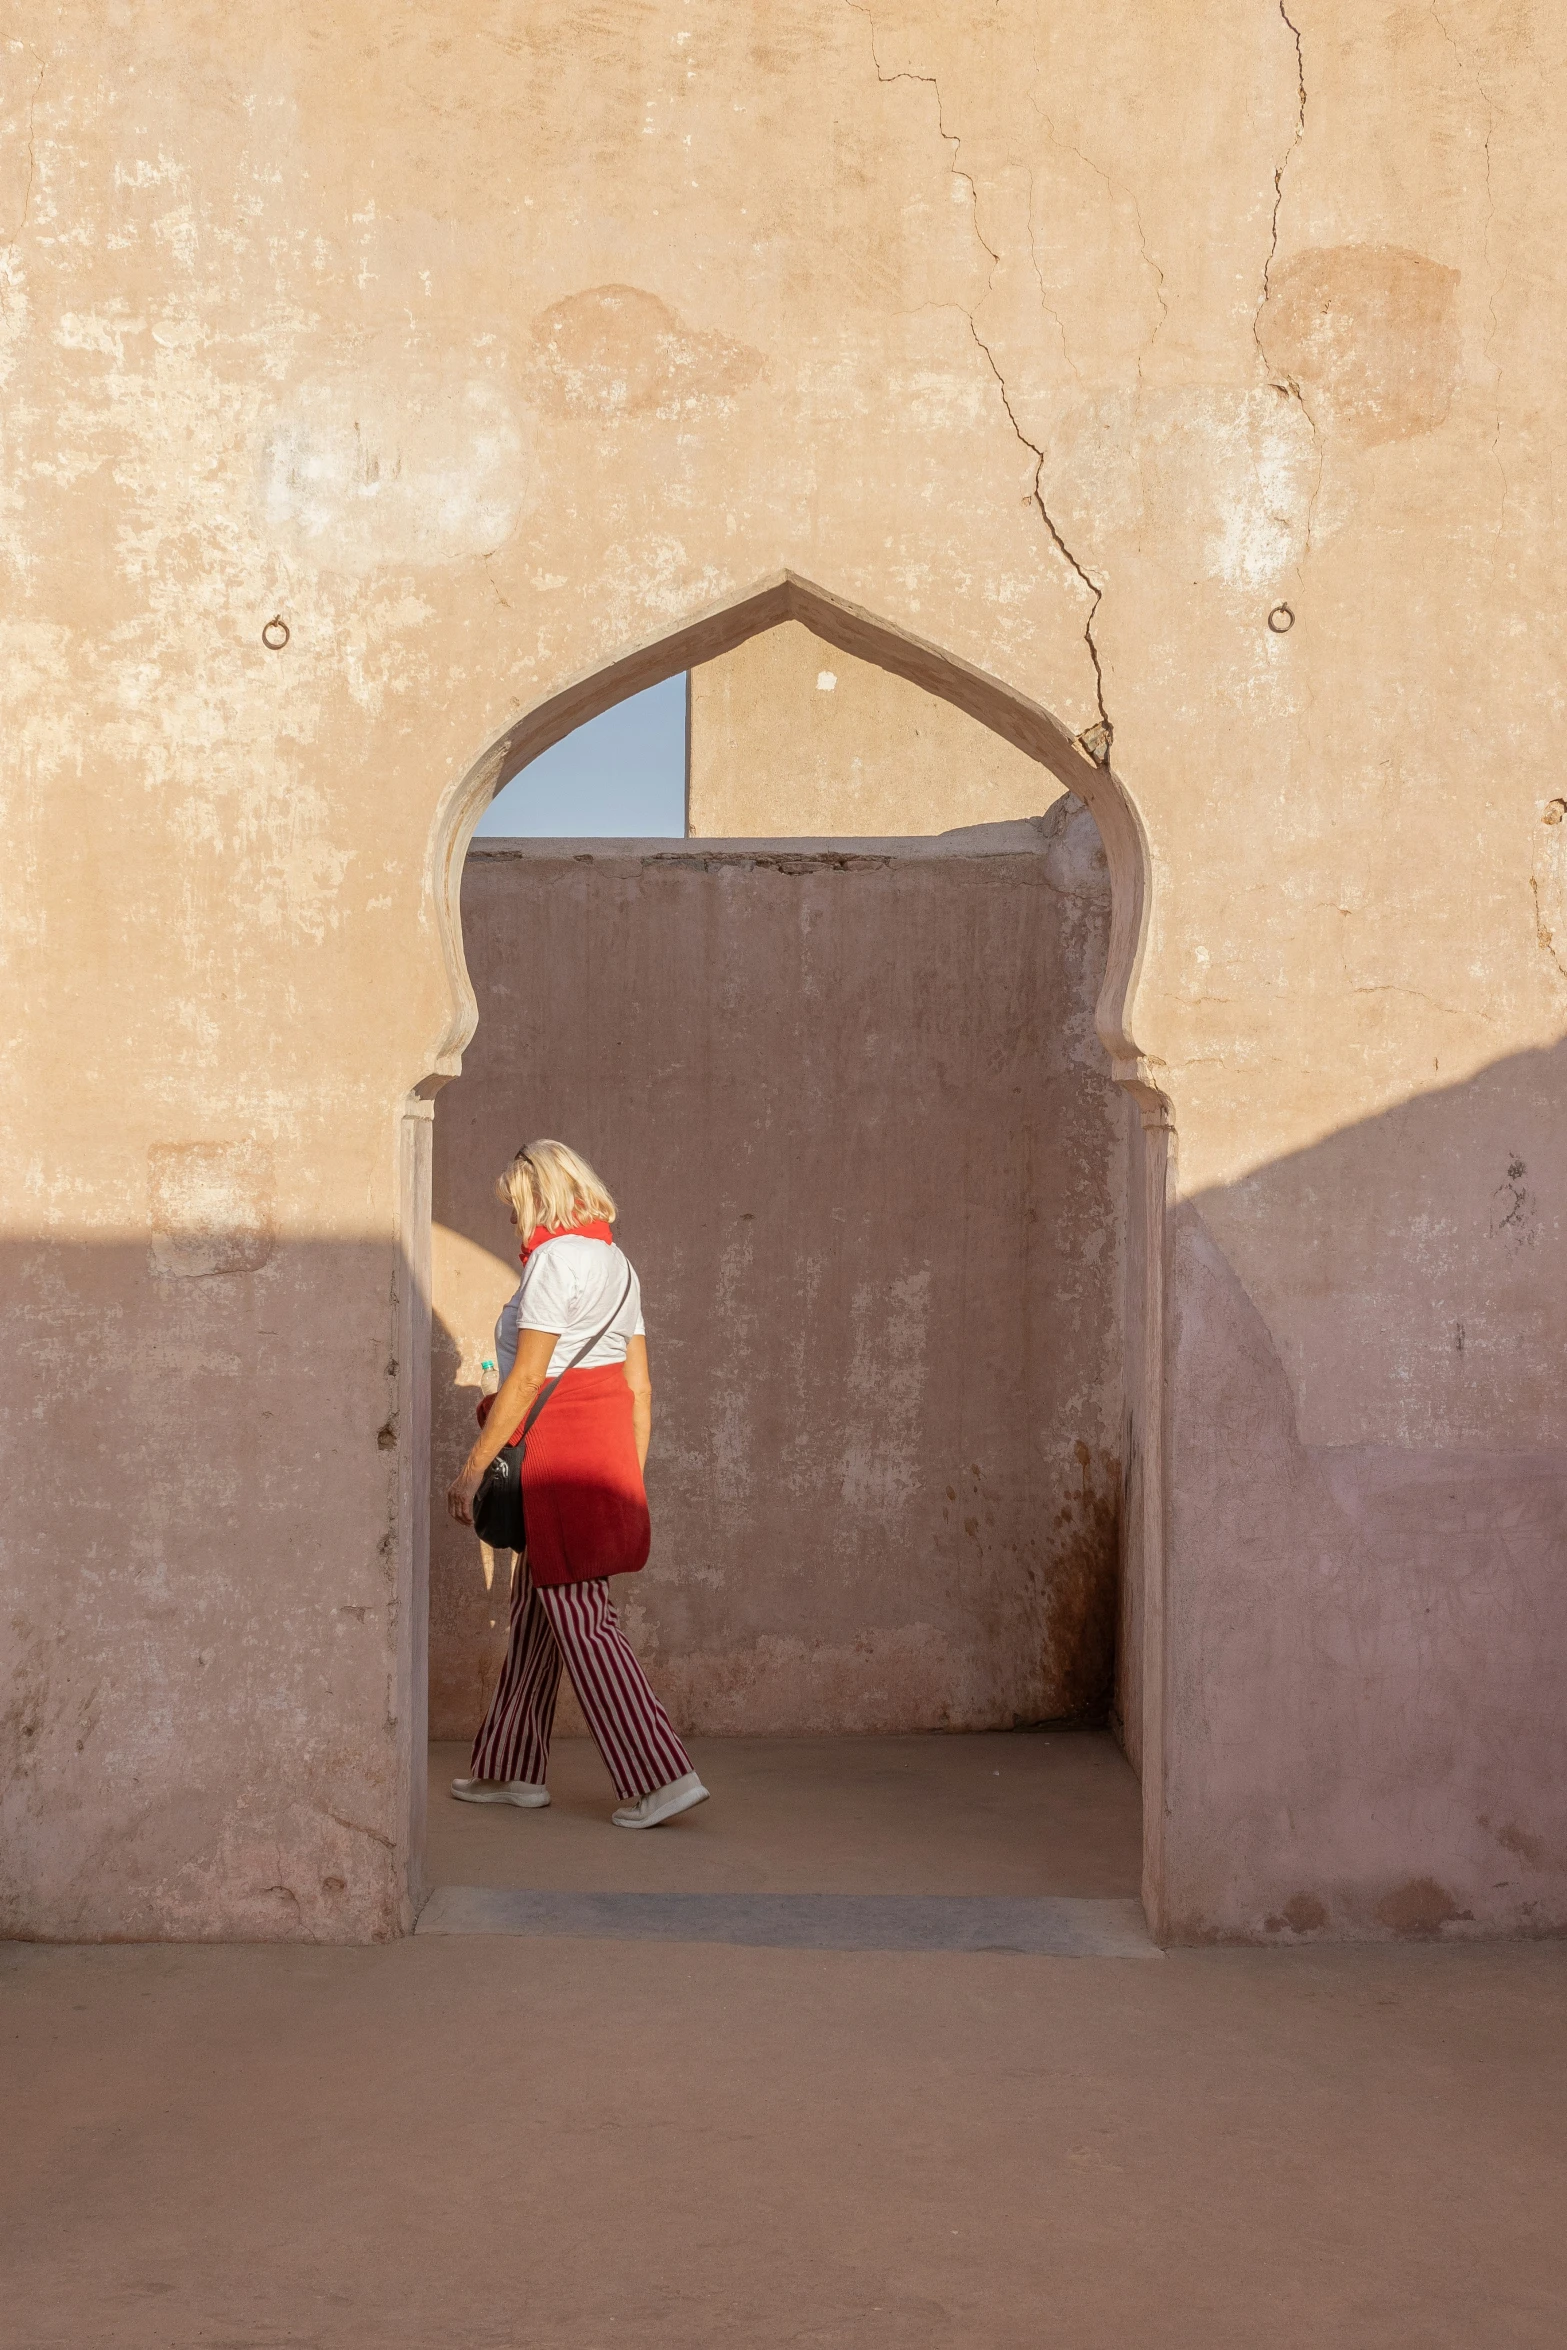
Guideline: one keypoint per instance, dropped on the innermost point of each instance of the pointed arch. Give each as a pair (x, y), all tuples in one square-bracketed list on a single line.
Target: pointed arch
[(1024, 723)]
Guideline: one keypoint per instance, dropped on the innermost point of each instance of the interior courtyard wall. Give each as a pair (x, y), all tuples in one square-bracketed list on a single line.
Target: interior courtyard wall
[(1189, 371), (787, 736), (877, 1215)]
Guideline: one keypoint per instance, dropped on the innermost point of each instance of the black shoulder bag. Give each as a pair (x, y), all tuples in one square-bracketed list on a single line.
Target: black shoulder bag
[(497, 1506)]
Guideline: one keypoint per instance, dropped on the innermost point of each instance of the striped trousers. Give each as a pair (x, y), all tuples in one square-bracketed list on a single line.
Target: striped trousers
[(574, 1624)]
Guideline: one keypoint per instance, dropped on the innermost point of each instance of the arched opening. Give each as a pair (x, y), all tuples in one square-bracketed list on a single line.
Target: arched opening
[(1121, 1488), (1018, 720)]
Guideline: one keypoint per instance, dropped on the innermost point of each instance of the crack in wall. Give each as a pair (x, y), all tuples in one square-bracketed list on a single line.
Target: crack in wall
[(1097, 749), (1289, 385), (1545, 936), (948, 138), (1279, 170), (1096, 739), (32, 151), (356, 1827), (1054, 316), (1118, 195), (487, 560), (1150, 261)]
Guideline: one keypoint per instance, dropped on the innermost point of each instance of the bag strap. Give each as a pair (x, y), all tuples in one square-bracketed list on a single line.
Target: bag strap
[(587, 1346)]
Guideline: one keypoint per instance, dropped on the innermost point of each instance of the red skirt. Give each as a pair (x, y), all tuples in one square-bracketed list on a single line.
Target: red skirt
[(582, 1490)]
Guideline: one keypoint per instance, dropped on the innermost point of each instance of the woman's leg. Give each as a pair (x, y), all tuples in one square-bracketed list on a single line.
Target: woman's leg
[(515, 1740), (635, 1735)]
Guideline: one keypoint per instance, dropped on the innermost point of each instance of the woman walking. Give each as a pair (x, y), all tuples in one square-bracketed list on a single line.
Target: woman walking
[(584, 1502)]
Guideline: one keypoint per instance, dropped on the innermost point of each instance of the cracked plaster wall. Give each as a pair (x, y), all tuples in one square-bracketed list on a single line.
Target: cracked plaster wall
[(484, 351)]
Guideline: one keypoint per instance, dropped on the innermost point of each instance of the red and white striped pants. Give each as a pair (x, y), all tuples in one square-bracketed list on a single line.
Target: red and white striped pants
[(574, 1624)]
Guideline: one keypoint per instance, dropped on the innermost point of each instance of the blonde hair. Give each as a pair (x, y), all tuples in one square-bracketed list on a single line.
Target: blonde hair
[(549, 1184)]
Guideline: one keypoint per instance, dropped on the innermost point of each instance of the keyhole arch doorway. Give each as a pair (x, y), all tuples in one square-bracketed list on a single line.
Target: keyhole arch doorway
[(1030, 728)]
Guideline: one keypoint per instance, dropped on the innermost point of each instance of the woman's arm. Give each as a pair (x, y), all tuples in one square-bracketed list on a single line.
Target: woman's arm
[(641, 1386), (506, 1415)]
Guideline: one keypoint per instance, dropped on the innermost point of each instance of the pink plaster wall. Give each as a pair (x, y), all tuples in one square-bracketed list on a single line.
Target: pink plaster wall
[(180, 1692), (870, 1166), (1366, 1592)]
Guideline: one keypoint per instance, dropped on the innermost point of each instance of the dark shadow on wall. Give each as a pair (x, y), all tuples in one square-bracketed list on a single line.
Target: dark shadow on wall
[(870, 1164), (199, 1725), (1368, 1609)]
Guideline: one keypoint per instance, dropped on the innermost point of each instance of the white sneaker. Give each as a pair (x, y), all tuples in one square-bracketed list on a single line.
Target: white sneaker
[(665, 1803), (519, 1791)]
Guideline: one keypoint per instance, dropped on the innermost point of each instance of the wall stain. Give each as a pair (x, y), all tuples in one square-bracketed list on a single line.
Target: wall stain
[(1419, 1909), (1512, 1838), (1303, 1913), (1371, 333), (1083, 1601), (1548, 884), (209, 1207), (619, 351)]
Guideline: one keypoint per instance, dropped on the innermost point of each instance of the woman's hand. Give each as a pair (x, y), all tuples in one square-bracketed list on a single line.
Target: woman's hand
[(506, 1414), (460, 1493)]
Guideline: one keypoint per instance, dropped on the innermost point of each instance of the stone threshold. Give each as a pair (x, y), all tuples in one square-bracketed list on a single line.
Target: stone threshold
[(1035, 1926)]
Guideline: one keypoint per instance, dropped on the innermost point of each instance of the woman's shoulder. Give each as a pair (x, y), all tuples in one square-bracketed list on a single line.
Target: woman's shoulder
[(579, 1251), (575, 1258)]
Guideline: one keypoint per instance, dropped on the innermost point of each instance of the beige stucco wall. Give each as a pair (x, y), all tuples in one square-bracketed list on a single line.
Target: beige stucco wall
[(789, 737), (491, 351), (877, 1212)]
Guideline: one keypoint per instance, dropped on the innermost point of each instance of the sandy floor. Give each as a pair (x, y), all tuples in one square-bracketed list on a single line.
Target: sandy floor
[(478, 2142)]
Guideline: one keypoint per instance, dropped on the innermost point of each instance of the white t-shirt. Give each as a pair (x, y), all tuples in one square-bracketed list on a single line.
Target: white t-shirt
[(569, 1285)]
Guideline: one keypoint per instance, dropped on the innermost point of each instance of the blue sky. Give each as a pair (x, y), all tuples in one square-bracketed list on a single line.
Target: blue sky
[(620, 777)]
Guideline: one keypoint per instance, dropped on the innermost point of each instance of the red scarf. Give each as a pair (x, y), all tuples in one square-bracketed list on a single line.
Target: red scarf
[(596, 1230)]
